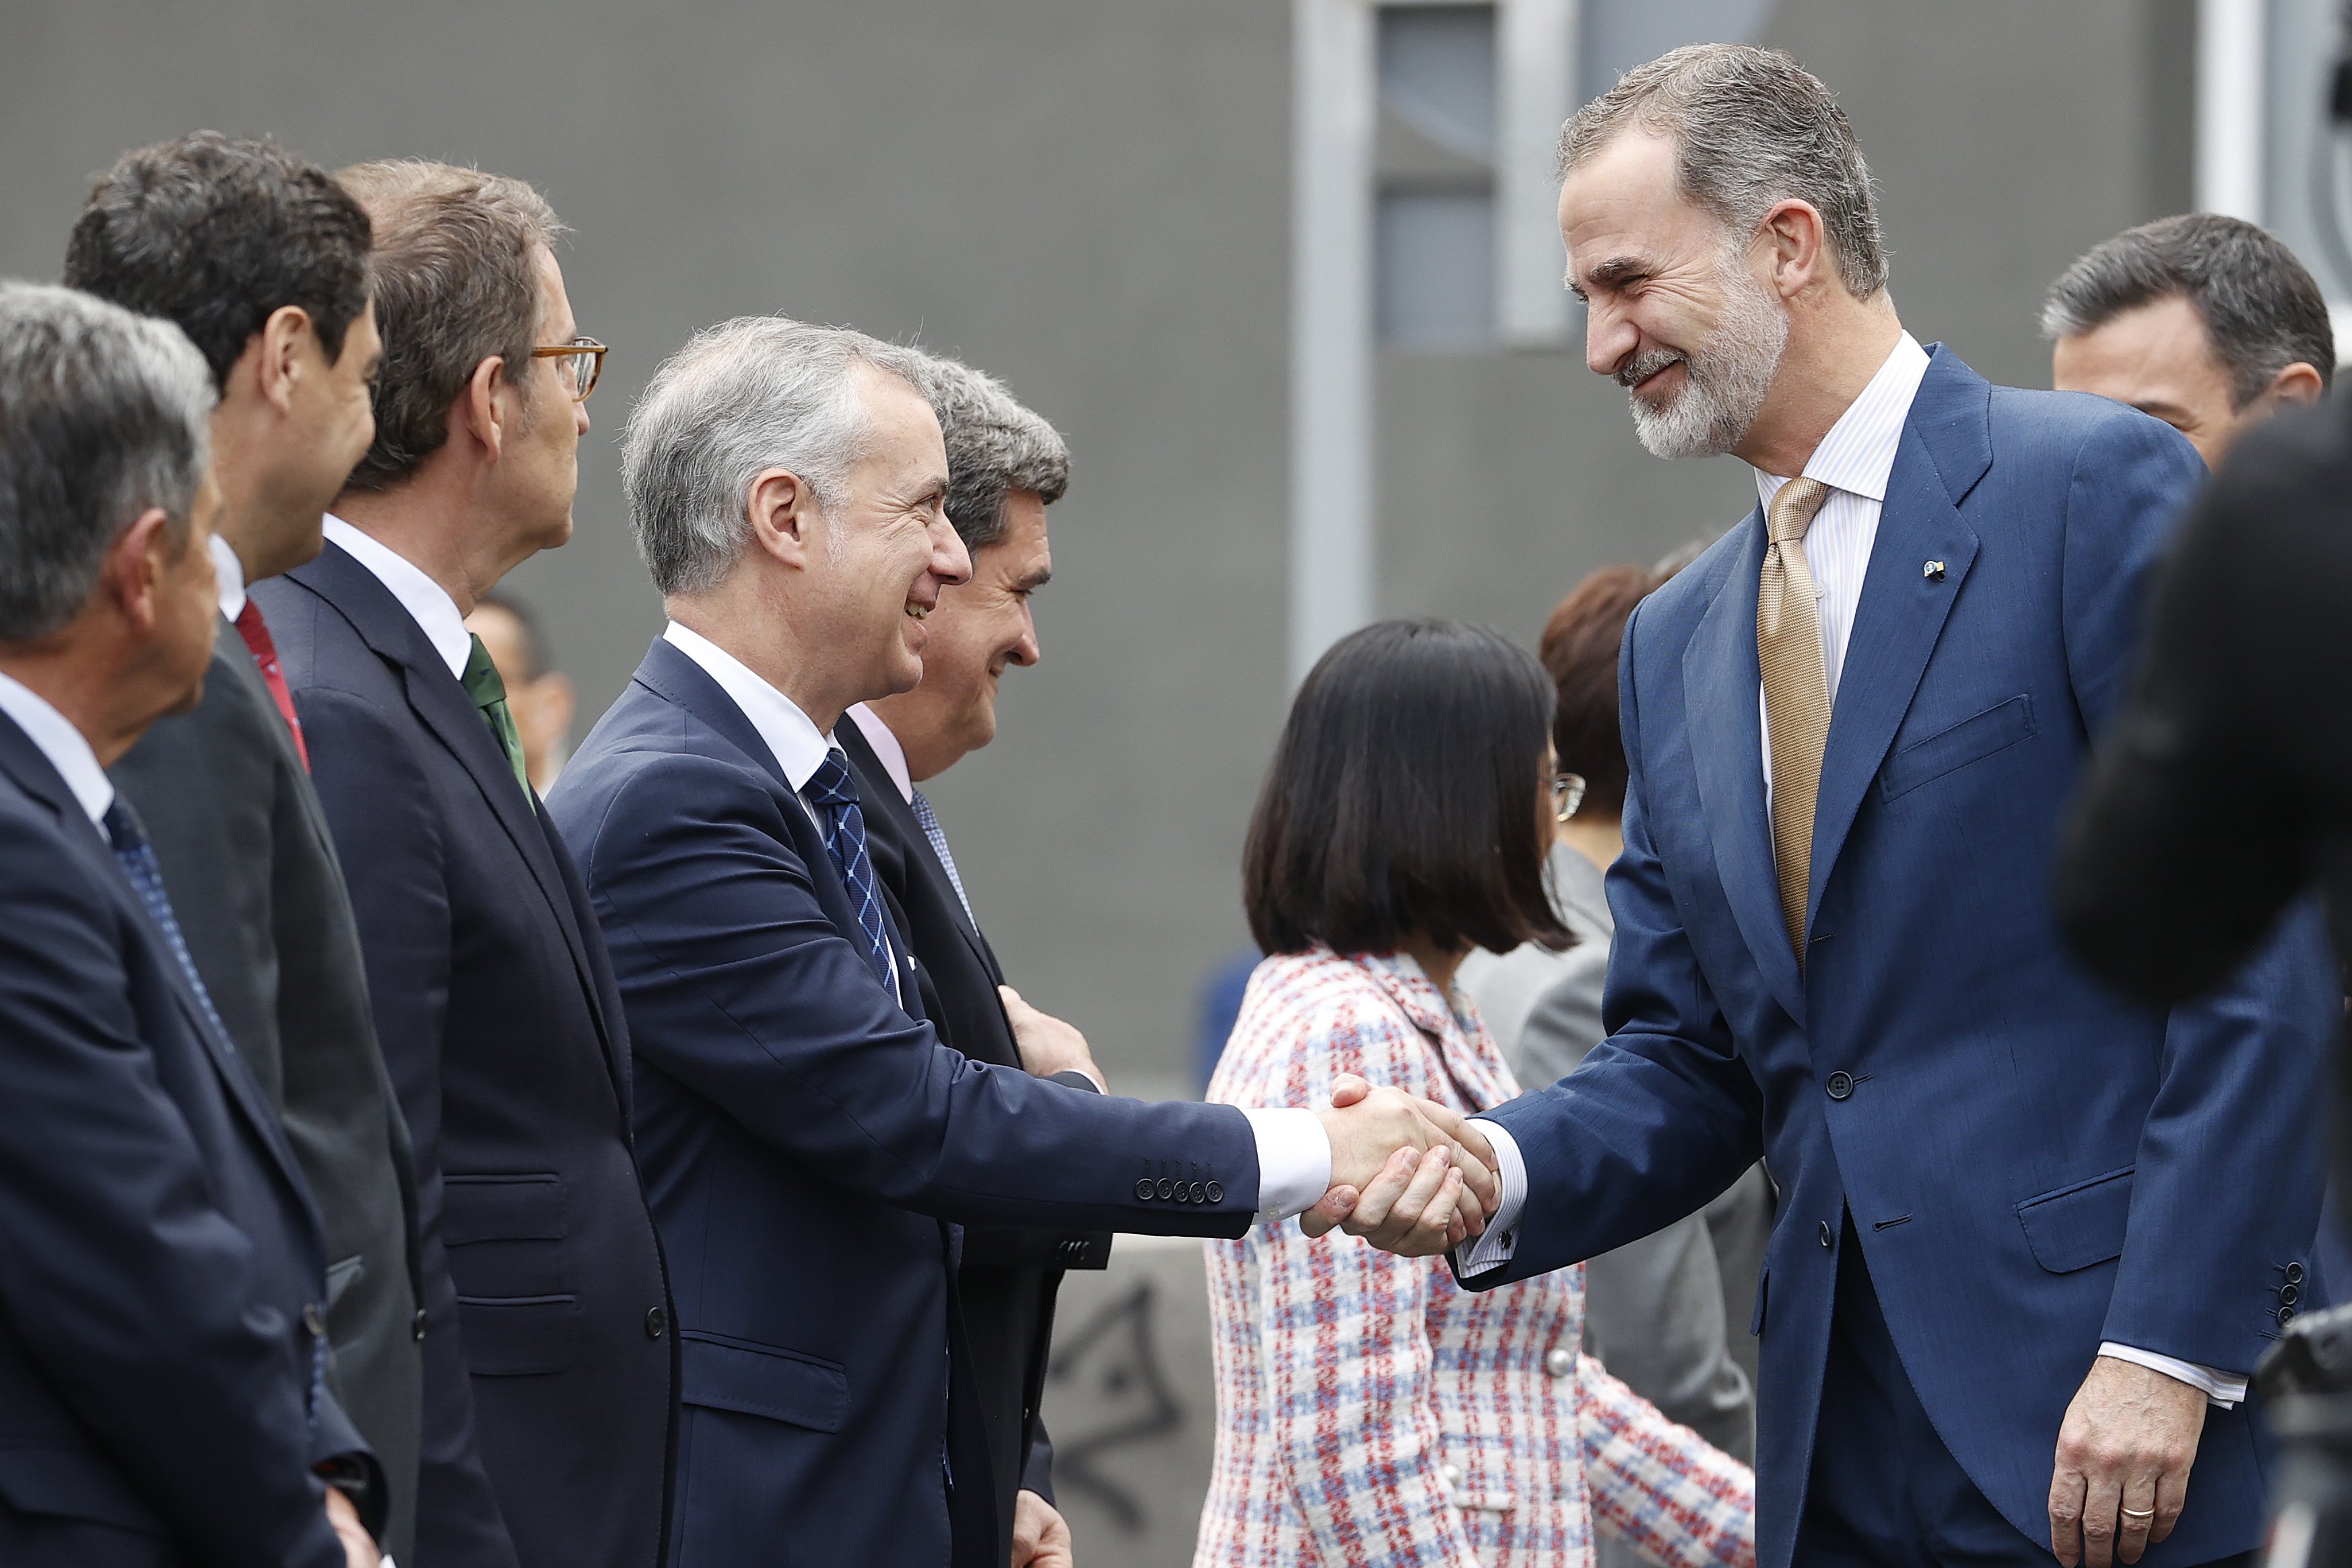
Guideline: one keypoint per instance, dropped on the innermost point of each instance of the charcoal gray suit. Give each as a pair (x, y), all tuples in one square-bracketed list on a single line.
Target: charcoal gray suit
[(253, 878)]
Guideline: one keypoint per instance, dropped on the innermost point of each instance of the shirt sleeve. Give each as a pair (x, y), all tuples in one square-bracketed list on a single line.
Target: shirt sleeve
[(1661, 1489), (1294, 1162), (1494, 1246), (2225, 1389)]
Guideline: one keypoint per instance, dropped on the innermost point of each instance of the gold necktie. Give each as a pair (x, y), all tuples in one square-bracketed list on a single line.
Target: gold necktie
[(1796, 693)]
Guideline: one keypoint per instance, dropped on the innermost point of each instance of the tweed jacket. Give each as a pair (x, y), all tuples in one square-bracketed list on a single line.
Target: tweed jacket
[(1372, 1414)]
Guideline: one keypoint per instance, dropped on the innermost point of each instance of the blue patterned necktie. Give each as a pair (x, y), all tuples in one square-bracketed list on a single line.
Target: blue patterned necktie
[(834, 795), (933, 831), (138, 861)]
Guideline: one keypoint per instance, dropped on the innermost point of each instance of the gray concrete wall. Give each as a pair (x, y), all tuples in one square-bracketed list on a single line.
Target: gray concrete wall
[(1089, 197)]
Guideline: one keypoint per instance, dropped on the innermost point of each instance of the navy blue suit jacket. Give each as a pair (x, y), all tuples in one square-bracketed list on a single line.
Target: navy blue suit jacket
[(803, 1137), (547, 1360), (162, 1276), (2033, 1163)]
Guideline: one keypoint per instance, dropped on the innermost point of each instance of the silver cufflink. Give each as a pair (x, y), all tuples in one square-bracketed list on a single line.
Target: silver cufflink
[(1933, 572)]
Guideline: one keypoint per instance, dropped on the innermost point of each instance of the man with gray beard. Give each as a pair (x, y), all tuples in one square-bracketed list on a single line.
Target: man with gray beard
[(2031, 1237)]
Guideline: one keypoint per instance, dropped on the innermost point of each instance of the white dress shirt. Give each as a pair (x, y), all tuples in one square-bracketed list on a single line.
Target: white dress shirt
[(427, 601), (229, 572), (66, 748), (1294, 1154), (1854, 459)]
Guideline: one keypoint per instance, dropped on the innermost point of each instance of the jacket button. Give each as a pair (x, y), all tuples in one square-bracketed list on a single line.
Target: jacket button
[(2289, 1294), (1143, 1190), (314, 1319), (1216, 1192), (1200, 1192), (1841, 1085), (1828, 1242), (656, 1322), (2294, 1273), (2286, 1314), (1559, 1361), (417, 1324), (1166, 1188)]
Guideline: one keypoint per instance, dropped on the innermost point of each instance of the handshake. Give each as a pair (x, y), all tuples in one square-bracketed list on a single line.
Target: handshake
[(1409, 1176)]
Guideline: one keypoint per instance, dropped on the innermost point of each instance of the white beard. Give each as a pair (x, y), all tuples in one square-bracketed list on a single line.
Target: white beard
[(1726, 379)]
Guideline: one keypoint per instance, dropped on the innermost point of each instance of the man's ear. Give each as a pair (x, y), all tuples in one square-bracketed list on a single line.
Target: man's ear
[(1799, 247), (2299, 382), (481, 412), (785, 519), (278, 352), (131, 578)]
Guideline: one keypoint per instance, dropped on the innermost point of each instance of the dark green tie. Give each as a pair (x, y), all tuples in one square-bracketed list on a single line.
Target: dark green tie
[(488, 693)]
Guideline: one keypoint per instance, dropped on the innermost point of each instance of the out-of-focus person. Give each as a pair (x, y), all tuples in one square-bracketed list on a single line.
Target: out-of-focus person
[(1005, 467), (2208, 322), (539, 695), (809, 1143), (2027, 1230), (548, 1355), (262, 259), (163, 1399), (1370, 1410), (1658, 1313)]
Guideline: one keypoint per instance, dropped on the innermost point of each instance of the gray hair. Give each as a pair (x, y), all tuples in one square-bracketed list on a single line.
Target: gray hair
[(2261, 308), (995, 446), (1751, 129), (747, 395), (103, 414)]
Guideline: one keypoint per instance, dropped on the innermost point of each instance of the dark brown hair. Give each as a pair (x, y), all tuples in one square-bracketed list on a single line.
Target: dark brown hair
[(1403, 798), (1580, 649), (215, 233), (456, 282)]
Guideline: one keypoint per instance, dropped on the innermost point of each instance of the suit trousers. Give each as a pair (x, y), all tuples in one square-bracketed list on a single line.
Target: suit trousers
[(1885, 1491)]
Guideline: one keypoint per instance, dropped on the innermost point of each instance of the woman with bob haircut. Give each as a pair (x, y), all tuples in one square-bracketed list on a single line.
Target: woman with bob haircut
[(1370, 1413)]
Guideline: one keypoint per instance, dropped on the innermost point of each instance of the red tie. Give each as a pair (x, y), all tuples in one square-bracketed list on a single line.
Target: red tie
[(255, 633)]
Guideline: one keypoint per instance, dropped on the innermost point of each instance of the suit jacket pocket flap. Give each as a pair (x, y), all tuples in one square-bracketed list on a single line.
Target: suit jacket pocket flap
[(518, 1336), (723, 1374), (502, 1208), (73, 1486), (2081, 1225), (1970, 740)]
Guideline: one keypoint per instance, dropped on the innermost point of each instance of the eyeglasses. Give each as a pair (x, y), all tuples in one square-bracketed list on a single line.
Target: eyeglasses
[(580, 361), (1567, 795)]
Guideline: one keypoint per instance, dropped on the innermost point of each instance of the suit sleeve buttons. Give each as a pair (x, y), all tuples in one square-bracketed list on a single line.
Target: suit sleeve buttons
[(1143, 1190), (1216, 1192)]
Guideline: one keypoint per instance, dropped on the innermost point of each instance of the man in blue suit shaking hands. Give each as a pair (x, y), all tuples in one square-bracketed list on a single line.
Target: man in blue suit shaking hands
[(2033, 1237), (809, 1149)]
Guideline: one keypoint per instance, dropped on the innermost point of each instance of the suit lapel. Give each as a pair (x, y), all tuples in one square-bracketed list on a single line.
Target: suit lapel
[(1945, 450), (440, 703), (1720, 682), (32, 771)]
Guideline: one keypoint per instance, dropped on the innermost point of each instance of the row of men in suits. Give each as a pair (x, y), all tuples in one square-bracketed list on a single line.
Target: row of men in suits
[(656, 1172)]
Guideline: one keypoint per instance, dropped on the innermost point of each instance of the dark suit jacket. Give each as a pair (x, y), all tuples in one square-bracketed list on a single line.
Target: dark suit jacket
[(253, 880), (2033, 1166), (547, 1359), (1009, 1278), (162, 1275), (803, 1137)]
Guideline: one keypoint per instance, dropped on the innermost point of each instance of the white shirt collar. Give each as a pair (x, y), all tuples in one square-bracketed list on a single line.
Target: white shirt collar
[(792, 738), (423, 598), (61, 743), (886, 746), (230, 571), (1858, 453)]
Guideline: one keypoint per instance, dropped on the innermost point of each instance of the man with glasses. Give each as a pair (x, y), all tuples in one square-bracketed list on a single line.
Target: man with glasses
[(548, 1354)]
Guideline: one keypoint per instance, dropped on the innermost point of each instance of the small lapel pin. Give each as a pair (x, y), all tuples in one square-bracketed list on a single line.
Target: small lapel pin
[(1933, 572)]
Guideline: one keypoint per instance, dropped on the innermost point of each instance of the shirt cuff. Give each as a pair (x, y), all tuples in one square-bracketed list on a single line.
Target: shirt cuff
[(1294, 1162), (2226, 1389), (1495, 1244)]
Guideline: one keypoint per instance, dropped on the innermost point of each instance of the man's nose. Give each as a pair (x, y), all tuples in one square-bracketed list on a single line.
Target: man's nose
[(1609, 339), (950, 562), (580, 417), (1025, 651)]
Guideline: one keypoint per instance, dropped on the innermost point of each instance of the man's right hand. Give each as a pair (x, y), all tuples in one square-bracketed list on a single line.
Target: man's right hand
[(1371, 1130), (1047, 1045), (359, 1550)]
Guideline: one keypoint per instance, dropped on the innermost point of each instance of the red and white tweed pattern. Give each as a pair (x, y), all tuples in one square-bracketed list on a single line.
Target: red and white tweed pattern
[(1372, 1414)]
